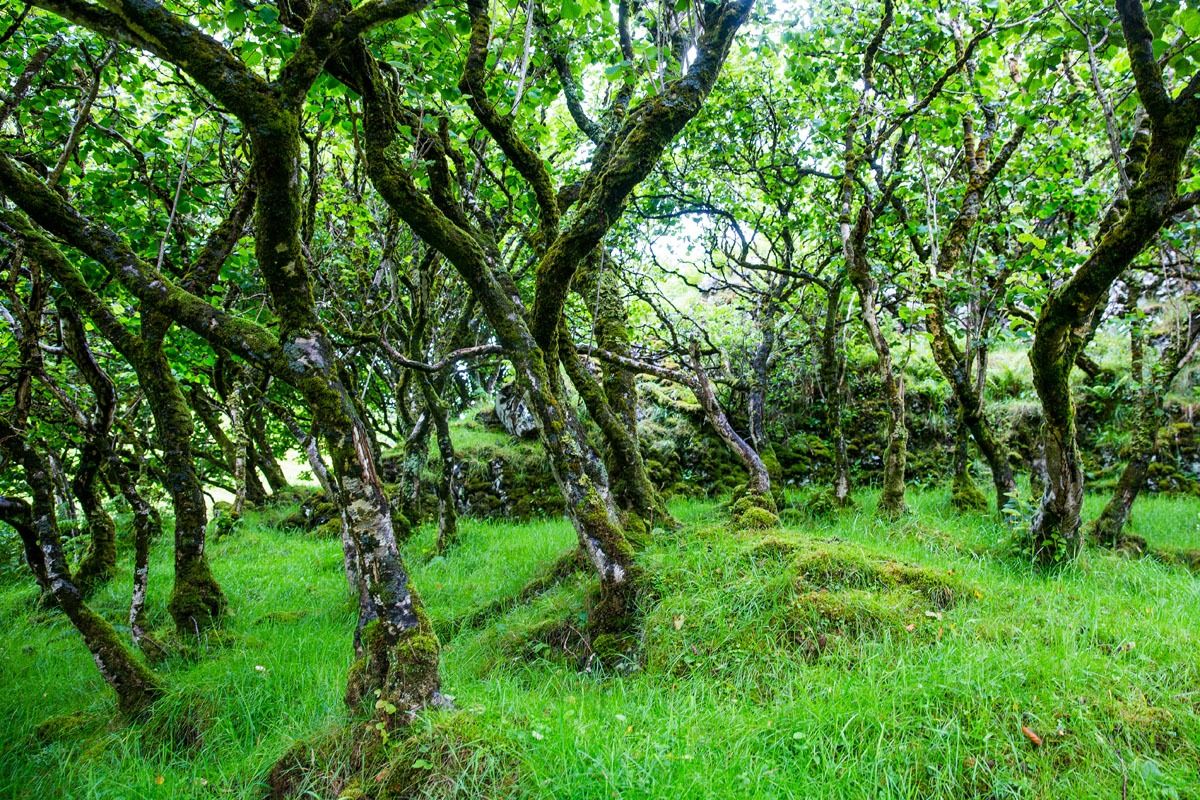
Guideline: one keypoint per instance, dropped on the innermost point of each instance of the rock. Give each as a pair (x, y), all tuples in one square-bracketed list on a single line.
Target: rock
[(513, 414)]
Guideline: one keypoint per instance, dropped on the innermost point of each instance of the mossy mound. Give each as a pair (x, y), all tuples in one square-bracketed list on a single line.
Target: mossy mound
[(835, 567), (1189, 559), (965, 495), (753, 511), (846, 593), (67, 727), (787, 595), (441, 755), (168, 643), (315, 510)]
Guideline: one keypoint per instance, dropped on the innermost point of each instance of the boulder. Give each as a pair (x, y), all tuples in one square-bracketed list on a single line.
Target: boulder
[(515, 417)]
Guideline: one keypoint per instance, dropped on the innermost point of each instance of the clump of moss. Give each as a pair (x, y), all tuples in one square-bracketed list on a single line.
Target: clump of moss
[(65, 727), (403, 672), (169, 643), (328, 764), (844, 593), (776, 549), (1144, 725), (434, 756), (1180, 557), (754, 511), (315, 510), (329, 529), (845, 567), (965, 495), (853, 612)]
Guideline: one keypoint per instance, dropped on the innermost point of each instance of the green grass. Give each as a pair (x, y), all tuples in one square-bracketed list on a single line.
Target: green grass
[(729, 697)]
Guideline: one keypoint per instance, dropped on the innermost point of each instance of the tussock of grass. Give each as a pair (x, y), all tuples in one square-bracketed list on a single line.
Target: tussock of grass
[(1101, 661)]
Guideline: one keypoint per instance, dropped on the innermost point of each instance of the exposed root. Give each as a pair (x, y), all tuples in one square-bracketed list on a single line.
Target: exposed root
[(555, 573)]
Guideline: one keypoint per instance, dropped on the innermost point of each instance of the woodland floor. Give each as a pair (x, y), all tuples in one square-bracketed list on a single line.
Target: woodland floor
[(841, 657)]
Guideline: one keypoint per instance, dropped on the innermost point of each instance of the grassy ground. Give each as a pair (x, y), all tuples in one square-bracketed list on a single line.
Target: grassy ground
[(840, 658)]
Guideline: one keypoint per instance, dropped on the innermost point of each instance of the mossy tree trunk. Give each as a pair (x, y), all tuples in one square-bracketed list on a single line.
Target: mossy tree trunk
[(1155, 168), (100, 561), (447, 525), (954, 364), (891, 499), (760, 479), (135, 686), (853, 229), (832, 369), (615, 410), (146, 523), (531, 342), (16, 513), (197, 601)]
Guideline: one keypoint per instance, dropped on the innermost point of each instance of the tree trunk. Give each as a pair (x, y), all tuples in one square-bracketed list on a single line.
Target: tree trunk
[(964, 494), (262, 456), (1108, 529), (613, 403), (833, 385), (760, 480), (956, 368), (447, 528), (196, 600), (16, 513), (135, 686)]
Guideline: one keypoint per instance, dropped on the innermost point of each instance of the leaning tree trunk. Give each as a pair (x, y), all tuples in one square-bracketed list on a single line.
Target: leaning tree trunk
[(99, 563), (447, 526), (16, 513), (757, 507), (1108, 529), (196, 600), (956, 368), (964, 494), (146, 523), (136, 686)]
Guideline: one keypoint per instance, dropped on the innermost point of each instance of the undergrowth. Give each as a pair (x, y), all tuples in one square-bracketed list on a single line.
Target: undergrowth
[(835, 656)]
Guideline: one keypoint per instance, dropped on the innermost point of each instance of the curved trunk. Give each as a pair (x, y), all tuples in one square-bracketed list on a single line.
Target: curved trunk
[(262, 457), (447, 528), (954, 367), (136, 686), (1155, 166), (196, 599), (1108, 529), (630, 485), (99, 563), (16, 513), (612, 402), (760, 479)]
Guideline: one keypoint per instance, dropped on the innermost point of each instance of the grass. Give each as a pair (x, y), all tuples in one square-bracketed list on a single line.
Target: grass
[(730, 696)]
